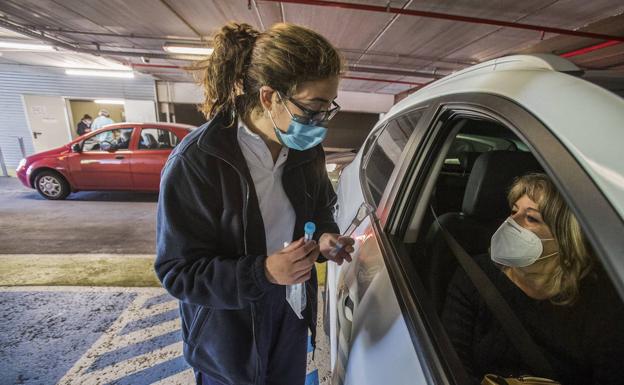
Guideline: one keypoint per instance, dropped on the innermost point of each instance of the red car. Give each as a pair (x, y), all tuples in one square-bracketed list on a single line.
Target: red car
[(123, 156)]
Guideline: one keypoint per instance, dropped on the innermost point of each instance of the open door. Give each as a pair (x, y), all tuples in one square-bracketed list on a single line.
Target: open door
[(47, 120)]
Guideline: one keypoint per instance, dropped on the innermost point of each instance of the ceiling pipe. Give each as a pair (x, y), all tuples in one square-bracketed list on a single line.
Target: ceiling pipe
[(45, 28), (394, 71), (382, 80), (463, 62), (591, 48), (446, 16), (144, 65)]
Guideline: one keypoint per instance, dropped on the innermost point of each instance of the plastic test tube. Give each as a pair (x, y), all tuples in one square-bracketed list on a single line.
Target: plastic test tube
[(309, 228), (296, 294)]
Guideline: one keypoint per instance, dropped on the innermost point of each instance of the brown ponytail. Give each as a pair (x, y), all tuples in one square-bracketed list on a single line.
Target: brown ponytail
[(244, 60)]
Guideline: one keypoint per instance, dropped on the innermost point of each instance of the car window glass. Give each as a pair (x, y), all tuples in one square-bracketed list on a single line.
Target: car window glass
[(157, 139), (560, 293), (386, 151), (119, 138)]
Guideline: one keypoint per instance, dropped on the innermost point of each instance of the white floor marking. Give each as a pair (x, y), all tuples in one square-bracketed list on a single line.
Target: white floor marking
[(111, 340)]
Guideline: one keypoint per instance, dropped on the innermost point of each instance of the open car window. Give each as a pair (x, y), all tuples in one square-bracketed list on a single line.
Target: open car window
[(119, 138), (157, 139)]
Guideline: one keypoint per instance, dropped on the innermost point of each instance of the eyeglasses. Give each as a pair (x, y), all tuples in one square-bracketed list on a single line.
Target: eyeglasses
[(313, 117)]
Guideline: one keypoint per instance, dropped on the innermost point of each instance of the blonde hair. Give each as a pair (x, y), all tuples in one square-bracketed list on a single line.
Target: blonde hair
[(244, 60), (575, 255)]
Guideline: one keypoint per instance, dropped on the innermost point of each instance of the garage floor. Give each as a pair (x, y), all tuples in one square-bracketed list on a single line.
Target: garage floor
[(107, 332), (87, 222)]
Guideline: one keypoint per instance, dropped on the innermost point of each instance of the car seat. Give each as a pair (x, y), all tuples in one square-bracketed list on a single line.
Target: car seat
[(484, 208), (452, 181), (148, 142)]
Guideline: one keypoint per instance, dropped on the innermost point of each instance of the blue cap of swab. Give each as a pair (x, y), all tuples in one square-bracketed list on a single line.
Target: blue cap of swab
[(309, 228)]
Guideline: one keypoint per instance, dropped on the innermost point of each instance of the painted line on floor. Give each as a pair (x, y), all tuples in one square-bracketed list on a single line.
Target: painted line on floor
[(143, 346)]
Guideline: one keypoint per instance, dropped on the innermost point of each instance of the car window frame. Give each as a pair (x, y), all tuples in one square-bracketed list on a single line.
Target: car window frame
[(371, 143), (603, 226), (417, 325)]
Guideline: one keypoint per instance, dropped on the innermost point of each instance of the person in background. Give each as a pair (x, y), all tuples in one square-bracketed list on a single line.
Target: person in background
[(84, 126), (238, 188), (102, 120), (543, 266)]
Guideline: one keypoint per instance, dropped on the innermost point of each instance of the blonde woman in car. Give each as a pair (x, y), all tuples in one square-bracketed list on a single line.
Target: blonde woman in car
[(541, 263)]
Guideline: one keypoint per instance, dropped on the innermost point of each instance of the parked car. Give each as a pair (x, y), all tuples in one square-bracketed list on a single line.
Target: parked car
[(504, 117), (122, 156)]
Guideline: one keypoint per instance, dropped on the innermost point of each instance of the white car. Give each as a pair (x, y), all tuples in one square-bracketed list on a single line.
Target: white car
[(523, 113)]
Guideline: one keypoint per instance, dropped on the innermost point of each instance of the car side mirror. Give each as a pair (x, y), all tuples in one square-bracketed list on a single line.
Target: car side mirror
[(77, 148)]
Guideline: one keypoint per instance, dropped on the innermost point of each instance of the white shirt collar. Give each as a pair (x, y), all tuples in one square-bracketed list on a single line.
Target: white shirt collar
[(252, 143)]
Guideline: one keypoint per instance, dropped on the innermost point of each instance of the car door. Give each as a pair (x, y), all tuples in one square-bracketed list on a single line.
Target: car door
[(397, 232), (95, 169), (374, 341), (154, 144)]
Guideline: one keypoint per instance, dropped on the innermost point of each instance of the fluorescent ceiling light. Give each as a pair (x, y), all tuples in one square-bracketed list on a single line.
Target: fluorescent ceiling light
[(102, 73), (25, 46), (188, 49), (108, 101)]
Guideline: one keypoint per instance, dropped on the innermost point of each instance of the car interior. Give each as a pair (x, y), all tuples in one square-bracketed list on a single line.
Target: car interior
[(149, 141), (469, 198)]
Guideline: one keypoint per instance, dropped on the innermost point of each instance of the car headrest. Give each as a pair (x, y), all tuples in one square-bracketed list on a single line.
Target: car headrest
[(490, 180), (465, 160)]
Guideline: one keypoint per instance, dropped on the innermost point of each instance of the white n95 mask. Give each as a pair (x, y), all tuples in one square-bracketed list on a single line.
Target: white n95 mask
[(514, 246)]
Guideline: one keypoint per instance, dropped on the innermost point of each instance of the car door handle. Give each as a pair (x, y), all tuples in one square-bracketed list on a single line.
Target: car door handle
[(120, 157), (36, 134)]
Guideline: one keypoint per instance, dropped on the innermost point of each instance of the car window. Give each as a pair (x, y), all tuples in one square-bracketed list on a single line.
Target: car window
[(386, 152), (157, 139), (549, 289), (119, 138)]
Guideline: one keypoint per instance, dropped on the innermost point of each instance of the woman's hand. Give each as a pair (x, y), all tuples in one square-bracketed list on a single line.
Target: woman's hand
[(293, 264), (336, 247)]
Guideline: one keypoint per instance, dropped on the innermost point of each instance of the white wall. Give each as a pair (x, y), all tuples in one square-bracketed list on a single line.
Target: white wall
[(169, 92), (17, 80), (349, 101)]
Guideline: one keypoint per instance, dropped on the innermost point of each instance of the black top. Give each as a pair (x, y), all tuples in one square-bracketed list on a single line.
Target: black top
[(82, 128), (584, 342), (211, 246)]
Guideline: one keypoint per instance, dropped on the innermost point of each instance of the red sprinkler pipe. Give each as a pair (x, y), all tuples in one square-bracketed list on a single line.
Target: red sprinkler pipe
[(446, 16), (591, 48)]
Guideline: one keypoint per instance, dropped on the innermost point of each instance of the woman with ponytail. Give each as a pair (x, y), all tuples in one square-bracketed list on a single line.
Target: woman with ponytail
[(241, 187)]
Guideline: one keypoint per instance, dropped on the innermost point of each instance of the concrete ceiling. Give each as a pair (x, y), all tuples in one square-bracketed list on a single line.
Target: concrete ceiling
[(387, 52)]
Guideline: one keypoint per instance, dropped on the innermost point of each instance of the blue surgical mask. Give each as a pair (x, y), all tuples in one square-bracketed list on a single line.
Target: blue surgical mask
[(299, 136)]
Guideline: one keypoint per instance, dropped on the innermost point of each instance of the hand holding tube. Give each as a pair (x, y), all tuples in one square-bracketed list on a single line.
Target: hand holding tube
[(293, 264), (336, 247)]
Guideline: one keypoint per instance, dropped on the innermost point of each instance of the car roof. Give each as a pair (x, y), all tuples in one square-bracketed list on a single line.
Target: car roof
[(587, 119)]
